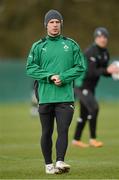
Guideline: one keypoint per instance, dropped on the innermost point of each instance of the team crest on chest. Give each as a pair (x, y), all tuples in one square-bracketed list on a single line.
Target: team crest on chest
[(66, 48)]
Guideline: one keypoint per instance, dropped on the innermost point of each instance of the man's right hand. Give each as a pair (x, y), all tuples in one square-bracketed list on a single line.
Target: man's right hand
[(56, 80), (112, 69)]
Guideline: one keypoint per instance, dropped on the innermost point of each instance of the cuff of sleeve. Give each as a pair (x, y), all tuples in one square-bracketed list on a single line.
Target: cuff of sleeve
[(62, 79), (105, 72), (102, 71), (49, 78)]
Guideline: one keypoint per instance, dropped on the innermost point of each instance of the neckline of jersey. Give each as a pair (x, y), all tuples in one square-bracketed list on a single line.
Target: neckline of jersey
[(55, 38), (103, 49)]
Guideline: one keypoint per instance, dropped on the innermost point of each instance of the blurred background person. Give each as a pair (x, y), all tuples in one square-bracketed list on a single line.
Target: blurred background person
[(97, 61), (34, 100)]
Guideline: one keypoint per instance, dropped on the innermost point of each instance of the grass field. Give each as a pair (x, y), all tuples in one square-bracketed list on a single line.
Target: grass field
[(20, 153)]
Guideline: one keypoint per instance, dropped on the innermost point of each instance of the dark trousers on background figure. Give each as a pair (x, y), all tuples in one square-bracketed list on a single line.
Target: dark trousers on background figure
[(88, 111)]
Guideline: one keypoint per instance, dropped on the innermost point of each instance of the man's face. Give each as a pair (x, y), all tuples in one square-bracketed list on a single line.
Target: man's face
[(101, 41), (54, 27)]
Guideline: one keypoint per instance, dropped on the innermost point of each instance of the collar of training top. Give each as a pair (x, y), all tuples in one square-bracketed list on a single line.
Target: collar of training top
[(103, 49), (54, 38)]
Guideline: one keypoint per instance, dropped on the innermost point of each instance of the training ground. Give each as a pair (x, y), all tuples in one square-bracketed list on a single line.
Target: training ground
[(20, 153)]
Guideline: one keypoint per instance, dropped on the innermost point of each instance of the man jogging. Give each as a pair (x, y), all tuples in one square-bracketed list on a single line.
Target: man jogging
[(55, 61), (97, 60)]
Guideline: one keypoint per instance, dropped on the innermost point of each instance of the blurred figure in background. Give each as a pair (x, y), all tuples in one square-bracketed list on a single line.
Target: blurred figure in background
[(34, 100), (34, 105), (97, 56)]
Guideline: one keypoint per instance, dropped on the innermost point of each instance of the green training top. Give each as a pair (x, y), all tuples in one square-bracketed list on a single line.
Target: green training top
[(55, 56)]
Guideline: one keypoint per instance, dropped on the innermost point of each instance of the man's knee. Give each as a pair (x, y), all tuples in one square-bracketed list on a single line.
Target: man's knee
[(47, 133), (93, 113), (96, 109), (63, 129)]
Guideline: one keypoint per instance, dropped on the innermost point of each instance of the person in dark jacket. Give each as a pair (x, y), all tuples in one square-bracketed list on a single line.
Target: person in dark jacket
[(97, 56)]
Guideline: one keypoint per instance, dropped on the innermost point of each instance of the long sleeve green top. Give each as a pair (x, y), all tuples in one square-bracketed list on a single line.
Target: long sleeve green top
[(55, 56)]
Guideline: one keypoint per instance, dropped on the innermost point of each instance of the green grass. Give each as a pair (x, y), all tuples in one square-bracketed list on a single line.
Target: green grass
[(20, 153)]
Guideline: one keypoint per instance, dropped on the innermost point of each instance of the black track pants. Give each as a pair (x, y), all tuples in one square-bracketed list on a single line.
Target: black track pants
[(63, 112)]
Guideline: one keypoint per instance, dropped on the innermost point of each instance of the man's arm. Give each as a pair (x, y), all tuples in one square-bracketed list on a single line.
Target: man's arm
[(93, 71), (33, 67), (78, 69)]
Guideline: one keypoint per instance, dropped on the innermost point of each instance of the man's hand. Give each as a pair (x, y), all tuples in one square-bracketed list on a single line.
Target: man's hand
[(112, 69), (56, 80)]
